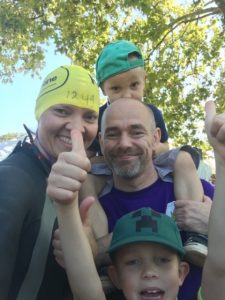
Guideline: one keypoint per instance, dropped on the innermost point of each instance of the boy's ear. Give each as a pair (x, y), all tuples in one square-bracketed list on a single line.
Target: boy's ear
[(112, 272), (183, 271)]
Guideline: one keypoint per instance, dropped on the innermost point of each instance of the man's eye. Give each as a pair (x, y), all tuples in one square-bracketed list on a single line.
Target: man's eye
[(110, 135), (137, 133)]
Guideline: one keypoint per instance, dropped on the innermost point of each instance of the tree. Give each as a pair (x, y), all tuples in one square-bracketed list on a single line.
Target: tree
[(10, 136), (183, 46)]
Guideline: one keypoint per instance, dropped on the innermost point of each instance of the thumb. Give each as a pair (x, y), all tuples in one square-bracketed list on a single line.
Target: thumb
[(77, 142), (210, 112), (84, 209)]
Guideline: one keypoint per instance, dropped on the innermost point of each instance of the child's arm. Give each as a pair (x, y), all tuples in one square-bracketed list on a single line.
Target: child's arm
[(187, 185), (79, 261), (64, 182), (213, 282), (161, 148)]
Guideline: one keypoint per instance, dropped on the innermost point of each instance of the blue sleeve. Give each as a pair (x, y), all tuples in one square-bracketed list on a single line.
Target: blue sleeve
[(160, 123)]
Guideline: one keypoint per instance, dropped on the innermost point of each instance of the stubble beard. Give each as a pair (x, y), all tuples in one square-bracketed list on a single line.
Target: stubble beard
[(128, 171)]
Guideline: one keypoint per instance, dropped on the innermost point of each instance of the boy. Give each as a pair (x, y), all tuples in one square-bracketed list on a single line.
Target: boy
[(120, 74), (146, 252)]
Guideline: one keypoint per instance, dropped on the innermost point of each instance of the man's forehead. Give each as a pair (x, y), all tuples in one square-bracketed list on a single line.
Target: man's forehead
[(126, 112), (134, 114), (125, 124)]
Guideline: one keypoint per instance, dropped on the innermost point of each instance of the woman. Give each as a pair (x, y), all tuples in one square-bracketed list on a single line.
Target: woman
[(68, 100)]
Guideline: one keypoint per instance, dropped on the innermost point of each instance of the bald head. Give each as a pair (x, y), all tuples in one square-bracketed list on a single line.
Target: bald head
[(125, 108)]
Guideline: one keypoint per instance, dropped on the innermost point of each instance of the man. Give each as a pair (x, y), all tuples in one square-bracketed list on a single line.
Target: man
[(127, 142)]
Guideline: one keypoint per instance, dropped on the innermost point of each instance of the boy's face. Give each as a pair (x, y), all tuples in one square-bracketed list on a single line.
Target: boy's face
[(129, 84), (148, 271)]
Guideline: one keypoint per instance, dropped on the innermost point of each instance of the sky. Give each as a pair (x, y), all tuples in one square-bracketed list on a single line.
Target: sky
[(18, 98)]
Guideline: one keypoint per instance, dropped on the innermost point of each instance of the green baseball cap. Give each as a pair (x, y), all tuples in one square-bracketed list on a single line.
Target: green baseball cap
[(114, 59), (146, 225)]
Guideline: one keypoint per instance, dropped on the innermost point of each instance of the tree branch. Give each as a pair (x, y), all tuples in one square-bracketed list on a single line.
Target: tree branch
[(186, 19), (221, 5)]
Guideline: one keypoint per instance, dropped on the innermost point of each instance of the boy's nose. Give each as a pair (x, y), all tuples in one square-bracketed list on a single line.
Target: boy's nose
[(127, 94), (150, 272)]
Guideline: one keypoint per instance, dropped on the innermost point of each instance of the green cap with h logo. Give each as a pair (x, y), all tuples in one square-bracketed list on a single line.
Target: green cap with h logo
[(146, 225), (115, 59)]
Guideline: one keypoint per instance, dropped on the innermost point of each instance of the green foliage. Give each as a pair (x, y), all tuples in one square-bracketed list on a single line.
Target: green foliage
[(183, 46)]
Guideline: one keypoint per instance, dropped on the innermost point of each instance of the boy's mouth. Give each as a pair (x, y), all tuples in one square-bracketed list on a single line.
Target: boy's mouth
[(152, 294)]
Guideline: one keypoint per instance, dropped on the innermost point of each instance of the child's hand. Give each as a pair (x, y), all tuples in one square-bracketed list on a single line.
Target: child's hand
[(215, 129), (69, 171)]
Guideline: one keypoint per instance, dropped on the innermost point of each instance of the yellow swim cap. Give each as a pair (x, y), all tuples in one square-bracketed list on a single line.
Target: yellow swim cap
[(71, 85)]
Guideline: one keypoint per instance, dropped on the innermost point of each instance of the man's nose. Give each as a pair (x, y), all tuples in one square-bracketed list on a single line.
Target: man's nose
[(125, 141)]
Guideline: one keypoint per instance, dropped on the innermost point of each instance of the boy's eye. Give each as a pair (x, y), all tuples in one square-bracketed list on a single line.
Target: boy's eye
[(115, 88), (132, 262), (162, 260), (135, 84)]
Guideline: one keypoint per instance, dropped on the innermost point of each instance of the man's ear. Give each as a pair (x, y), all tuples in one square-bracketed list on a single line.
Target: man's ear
[(156, 137), (113, 275), (100, 138), (183, 271)]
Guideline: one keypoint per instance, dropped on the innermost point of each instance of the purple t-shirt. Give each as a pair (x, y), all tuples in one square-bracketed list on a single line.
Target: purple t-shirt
[(160, 197)]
